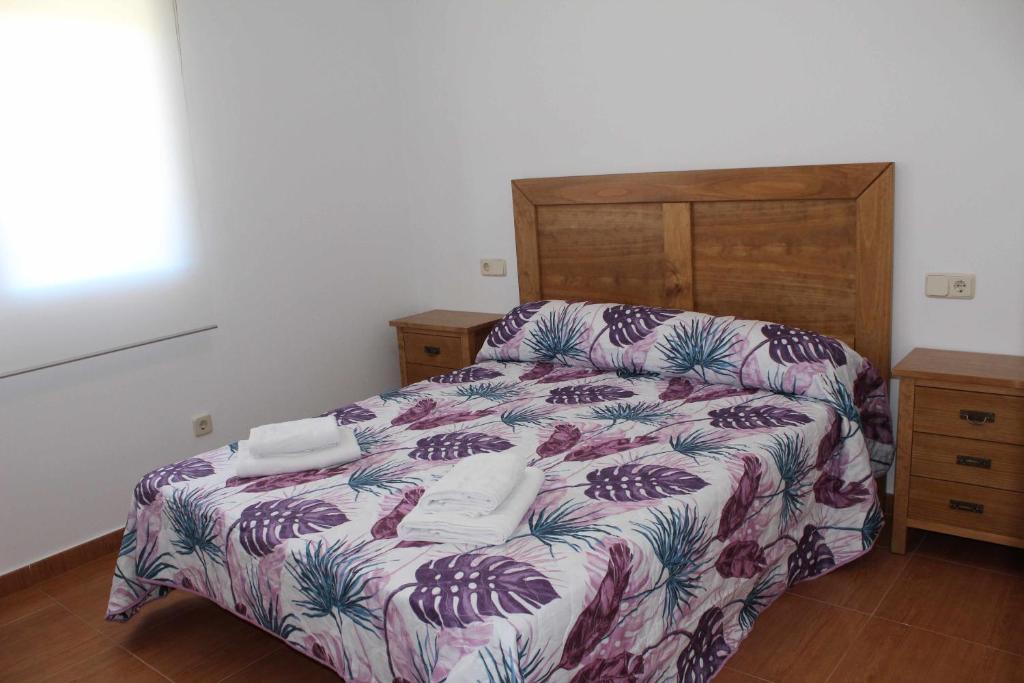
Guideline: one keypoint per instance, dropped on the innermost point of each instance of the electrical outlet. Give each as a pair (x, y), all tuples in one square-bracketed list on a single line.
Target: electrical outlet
[(949, 285), (202, 425), (961, 286), (494, 267)]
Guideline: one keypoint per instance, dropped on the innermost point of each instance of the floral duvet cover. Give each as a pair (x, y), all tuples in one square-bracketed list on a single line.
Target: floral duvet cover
[(695, 467)]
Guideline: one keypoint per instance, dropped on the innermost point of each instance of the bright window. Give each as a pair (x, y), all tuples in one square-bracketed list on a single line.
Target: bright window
[(91, 150)]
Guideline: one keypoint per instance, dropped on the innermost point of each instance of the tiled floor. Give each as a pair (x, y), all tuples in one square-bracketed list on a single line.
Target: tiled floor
[(950, 610)]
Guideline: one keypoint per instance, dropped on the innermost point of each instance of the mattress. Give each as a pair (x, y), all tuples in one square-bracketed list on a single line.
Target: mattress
[(676, 507)]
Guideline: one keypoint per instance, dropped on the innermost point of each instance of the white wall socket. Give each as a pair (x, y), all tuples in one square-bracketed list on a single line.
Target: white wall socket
[(494, 267), (949, 285), (202, 425)]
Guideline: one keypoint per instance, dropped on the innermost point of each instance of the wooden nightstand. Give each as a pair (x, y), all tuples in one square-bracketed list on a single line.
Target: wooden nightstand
[(437, 341), (960, 446)]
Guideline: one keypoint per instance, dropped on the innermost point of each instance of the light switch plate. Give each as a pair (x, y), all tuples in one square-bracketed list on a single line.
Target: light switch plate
[(492, 267), (936, 284)]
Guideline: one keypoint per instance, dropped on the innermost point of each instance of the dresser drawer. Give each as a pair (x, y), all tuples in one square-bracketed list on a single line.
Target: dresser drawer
[(967, 506), (433, 349), (969, 414), (970, 461)]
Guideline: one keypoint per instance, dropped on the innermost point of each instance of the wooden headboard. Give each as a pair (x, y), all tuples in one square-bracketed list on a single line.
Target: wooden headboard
[(808, 246)]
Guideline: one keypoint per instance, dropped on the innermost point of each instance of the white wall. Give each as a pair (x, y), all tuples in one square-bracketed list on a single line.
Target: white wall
[(501, 90), (353, 164), (293, 115)]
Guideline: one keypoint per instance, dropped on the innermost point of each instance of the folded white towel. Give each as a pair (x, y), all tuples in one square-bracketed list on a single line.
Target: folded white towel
[(297, 436), (249, 466), (476, 485), (492, 529)]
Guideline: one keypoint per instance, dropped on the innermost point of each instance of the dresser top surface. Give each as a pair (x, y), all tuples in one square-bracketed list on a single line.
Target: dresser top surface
[(989, 369), (451, 321)]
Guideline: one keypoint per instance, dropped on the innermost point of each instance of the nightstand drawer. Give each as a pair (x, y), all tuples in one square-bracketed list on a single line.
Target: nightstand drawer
[(417, 373), (967, 507), (969, 461), (969, 414), (433, 349)]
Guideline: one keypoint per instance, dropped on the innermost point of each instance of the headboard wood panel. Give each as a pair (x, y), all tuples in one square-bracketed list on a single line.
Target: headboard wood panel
[(809, 246)]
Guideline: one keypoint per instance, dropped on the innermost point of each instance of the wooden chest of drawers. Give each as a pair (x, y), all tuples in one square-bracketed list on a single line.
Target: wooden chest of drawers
[(438, 341), (960, 462)]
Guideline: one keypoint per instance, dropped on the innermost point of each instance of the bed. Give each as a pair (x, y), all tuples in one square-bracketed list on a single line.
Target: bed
[(696, 464)]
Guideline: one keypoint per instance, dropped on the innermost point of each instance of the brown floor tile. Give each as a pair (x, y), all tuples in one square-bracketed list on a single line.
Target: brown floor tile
[(43, 643), (199, 643), (21, 604), (887, 651), (797, 640), (285, 665), (730, 675), (956, 600), (85, 590), (998, 558), (859, 585), (112, 664)]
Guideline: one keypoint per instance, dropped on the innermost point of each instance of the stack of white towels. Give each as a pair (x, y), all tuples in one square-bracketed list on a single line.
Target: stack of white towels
[(310, 444), (480, 501)]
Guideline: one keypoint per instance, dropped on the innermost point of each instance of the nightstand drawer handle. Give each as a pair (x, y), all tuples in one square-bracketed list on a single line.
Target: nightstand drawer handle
[(432, 350), (973, 461), (966, 506), (977, 417)]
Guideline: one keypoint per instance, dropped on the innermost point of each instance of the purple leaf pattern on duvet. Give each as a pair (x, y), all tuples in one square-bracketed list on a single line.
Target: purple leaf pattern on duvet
[(678, 388), (600, 449), (756, 417), (418, 411), (742, 559), (279, 481), (387, 526), (707, 650), (587, 393), (513, 321), (474, 373), (441, 419), (536, 372), (624, 667), (564, 437), (832, 491), (458, 590), (629, 324), (792, 345), (598, 617), (736, 508), (713, 392), (457, 445), (567, 375), (829, 442), (867, 383), (351, 414), (811, 557), (633, 483), (263, 526), (148, 487)]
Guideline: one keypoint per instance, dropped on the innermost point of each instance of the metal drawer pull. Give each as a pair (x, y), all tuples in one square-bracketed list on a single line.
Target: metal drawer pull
[(966, 506), (432, 350), (977, 417), (972, 461)]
